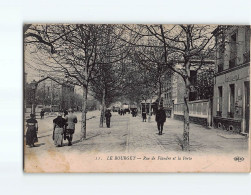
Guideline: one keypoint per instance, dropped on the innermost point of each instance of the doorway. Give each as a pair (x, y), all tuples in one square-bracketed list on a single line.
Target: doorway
[(247, 103)]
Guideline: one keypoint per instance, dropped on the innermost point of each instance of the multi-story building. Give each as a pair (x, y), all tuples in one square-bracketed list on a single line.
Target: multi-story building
[(232, 83), (50, 95), (199, 97)]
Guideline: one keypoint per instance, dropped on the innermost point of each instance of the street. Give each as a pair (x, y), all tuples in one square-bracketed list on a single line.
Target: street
[(129, 135)]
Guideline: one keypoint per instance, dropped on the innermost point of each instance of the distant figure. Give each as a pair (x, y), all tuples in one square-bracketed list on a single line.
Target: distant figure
[(58, 130), (132, 112), (144, 116), (71, 120), (108, 116), (119, 111), (160, 119), (32, 128), (42, 114)]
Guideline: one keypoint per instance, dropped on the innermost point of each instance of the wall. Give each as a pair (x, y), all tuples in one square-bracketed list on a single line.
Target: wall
[(199, 112)]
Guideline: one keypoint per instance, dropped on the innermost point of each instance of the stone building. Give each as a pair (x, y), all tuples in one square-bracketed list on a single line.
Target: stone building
[(50, 95), (199, 99), (232, 83)]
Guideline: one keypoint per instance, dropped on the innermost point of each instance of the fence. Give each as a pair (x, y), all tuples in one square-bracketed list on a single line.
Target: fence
[(200, 111)]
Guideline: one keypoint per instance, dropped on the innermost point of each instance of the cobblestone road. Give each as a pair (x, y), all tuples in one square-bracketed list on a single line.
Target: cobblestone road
[(130, 134)]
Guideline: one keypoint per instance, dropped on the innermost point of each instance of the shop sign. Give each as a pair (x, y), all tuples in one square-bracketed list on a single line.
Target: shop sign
[(232, 78)]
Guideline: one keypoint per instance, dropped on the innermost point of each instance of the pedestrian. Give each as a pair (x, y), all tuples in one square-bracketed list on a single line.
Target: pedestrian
[(31, 133), (65, 113), (135, 112), (42, 114), (144, 116), (71, 120), (58, 130), (132, 112), (108, 116), (160, 119)]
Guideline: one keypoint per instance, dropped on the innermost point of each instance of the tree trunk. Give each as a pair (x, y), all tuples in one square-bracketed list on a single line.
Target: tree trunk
[(33, 106), (186, 145), (160, 92), (84, 111), (145, 107), (150, 110), (102, 114)]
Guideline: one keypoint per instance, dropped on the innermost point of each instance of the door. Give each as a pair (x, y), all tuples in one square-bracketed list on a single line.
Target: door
[(232, 100), (247, 102)]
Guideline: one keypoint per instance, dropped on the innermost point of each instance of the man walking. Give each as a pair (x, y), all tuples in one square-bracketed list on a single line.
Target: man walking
[(144, 115), (160, 119), (42, 114), (71, 120), (108, 116)]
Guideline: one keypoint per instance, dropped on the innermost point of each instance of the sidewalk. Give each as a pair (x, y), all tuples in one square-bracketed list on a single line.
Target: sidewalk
[(202, 139)]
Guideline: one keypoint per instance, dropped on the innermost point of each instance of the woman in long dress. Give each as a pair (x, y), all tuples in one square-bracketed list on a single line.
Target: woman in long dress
[(32, 128), (59, 125)]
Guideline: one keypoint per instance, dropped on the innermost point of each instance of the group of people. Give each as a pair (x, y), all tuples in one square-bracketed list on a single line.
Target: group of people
[(134, 112), (122, 112), (63, 128)]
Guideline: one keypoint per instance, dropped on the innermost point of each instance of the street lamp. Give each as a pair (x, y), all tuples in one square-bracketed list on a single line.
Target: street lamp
[(33, 87)]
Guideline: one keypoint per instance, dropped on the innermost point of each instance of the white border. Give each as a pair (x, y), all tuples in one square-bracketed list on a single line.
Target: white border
[(13, 13)]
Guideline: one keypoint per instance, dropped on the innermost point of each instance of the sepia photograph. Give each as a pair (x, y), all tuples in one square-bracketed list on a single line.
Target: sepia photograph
[(136, 98), (125, 97)]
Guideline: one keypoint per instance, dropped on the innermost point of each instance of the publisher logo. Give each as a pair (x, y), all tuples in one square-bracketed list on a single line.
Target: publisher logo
[(238, 158)]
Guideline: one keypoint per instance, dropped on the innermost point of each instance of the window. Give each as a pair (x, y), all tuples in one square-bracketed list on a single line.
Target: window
[(247, 38), (219, 104), (233, 50), (221, 57), (246, 54), (220, 67), (231, 100)]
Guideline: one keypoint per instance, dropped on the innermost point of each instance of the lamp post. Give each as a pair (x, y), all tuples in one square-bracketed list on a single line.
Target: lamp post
[(33, 87)]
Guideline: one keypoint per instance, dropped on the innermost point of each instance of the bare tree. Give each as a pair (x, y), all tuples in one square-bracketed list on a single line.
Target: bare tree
[(73, 53), (184, 47)]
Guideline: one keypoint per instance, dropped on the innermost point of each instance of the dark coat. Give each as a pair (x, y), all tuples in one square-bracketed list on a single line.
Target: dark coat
[(59, 122), (160, 116), (31, 134), (108, 115)]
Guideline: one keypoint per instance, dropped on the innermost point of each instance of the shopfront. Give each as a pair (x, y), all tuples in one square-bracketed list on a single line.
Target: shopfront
[(231, 99)]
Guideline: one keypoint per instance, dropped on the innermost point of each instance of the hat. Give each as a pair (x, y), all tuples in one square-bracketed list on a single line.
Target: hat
[(69, 110), (59, 113)]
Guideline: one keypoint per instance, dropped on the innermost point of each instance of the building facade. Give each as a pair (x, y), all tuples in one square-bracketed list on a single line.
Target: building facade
[(232, 83), (200, 104)]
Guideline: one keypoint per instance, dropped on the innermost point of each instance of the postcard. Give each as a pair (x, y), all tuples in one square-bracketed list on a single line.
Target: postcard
[(136, 98)]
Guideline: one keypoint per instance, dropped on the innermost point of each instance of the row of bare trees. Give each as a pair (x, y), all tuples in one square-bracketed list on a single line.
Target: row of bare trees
[(112, 61)]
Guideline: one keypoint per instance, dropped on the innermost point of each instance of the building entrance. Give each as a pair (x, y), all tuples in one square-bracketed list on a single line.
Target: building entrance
[(247, 103)]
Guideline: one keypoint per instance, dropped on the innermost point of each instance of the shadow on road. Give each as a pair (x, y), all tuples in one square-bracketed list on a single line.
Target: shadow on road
[(38, 145), (45, 136)]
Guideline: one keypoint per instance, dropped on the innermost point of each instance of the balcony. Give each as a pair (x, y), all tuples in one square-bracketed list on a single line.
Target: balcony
[(219, 113), (232, 62), (230, 115)]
